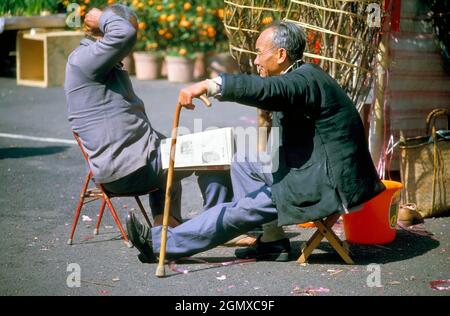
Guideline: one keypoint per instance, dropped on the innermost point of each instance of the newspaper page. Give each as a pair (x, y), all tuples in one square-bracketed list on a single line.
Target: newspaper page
[(205, 150)]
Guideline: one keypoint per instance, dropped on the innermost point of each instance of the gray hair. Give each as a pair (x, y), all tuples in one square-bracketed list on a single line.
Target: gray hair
[(123, 11), (289, 36)]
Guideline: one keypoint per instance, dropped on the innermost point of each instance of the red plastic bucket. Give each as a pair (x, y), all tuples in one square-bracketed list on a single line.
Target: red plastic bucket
[(376, 222)]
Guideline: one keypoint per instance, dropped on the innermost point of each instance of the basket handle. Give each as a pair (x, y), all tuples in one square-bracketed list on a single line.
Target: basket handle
[(431, 131), (431, 119)]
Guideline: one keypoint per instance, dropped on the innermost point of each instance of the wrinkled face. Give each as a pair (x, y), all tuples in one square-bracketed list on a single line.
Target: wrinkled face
[(270, 60)]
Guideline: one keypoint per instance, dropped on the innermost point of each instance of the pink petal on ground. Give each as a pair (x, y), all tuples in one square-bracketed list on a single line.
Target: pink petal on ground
[(440, 285)]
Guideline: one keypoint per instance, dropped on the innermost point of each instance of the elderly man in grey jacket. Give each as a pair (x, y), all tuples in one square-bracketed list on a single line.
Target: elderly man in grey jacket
[(110, 119)]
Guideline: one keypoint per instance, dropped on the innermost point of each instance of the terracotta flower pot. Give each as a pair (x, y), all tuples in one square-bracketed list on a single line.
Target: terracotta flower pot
[(148, 66), (180, 69)]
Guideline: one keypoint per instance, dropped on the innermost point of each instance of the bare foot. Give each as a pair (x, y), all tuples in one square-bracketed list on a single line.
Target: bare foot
[(172, 221), (241, 241)]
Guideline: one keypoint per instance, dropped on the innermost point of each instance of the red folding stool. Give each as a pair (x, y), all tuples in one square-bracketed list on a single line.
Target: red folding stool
[(88, 195)]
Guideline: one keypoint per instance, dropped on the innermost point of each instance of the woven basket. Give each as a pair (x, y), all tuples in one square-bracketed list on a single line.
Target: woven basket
[(425, 170), (339, 37)]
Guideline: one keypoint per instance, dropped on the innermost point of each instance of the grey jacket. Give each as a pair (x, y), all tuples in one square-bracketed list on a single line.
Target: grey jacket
[(102, 106)]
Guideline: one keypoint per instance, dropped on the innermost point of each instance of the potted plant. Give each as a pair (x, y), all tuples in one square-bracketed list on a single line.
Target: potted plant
[(180, 65), (211, 34), (213, 41), (188, 30), (176, 23), (147, 64), (148, 55)]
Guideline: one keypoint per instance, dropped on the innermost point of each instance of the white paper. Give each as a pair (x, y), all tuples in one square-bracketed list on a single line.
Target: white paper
[(206, 149)]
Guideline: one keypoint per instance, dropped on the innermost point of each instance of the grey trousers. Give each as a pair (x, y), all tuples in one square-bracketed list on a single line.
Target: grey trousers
[(251, 207)]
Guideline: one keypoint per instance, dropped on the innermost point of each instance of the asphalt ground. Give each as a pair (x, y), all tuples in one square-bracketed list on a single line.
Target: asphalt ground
[(40, 182)]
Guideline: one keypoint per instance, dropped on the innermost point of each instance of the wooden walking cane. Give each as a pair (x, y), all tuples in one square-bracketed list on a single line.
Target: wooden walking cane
[(160, 270)]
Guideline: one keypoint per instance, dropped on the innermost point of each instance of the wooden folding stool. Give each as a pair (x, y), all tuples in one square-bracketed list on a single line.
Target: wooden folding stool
[(324, 230)]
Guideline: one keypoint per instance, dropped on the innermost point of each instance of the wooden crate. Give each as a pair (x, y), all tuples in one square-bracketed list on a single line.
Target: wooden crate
[(28, 22), (42, 57)]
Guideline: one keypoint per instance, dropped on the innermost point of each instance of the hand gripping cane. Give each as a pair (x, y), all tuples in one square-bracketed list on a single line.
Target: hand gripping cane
[(160, 270)]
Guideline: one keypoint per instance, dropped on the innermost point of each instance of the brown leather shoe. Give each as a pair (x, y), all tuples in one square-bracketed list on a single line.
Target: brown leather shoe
[(408, 215)]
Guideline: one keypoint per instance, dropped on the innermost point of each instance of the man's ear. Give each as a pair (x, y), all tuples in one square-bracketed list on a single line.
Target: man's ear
[(282, 56)]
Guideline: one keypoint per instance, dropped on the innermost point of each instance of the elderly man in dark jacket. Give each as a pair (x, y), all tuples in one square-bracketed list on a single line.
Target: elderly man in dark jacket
[(324, 165)]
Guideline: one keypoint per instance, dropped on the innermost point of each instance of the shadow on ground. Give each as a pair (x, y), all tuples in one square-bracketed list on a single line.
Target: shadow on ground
[(23, 152), (404, 247)]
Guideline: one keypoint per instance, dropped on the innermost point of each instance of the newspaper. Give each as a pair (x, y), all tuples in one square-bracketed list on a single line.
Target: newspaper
[(206, 150)]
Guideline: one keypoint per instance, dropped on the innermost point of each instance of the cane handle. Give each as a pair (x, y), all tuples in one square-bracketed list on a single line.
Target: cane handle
[(205, 100)]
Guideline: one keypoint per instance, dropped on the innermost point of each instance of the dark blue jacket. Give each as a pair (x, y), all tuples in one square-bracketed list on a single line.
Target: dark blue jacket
[(324, 162)]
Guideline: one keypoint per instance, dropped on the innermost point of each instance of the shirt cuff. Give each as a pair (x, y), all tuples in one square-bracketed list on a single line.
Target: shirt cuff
[(214, 87)]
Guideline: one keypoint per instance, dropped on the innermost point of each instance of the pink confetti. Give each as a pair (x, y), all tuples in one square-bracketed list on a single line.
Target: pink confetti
[(104, 292), (173, 267), (440, 285)]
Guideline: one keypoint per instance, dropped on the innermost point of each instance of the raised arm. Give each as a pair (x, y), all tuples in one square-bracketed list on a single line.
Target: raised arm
[(119, 37), (280, 93)]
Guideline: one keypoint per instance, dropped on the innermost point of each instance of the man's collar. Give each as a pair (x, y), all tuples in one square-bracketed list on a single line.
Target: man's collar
[(294, 66)]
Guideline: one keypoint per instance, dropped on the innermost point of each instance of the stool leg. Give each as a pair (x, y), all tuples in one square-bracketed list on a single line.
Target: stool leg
[(79, 206), (335, 242), (117, 220), (323, 226), (311, 244), (100, 215), (144, 213)]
